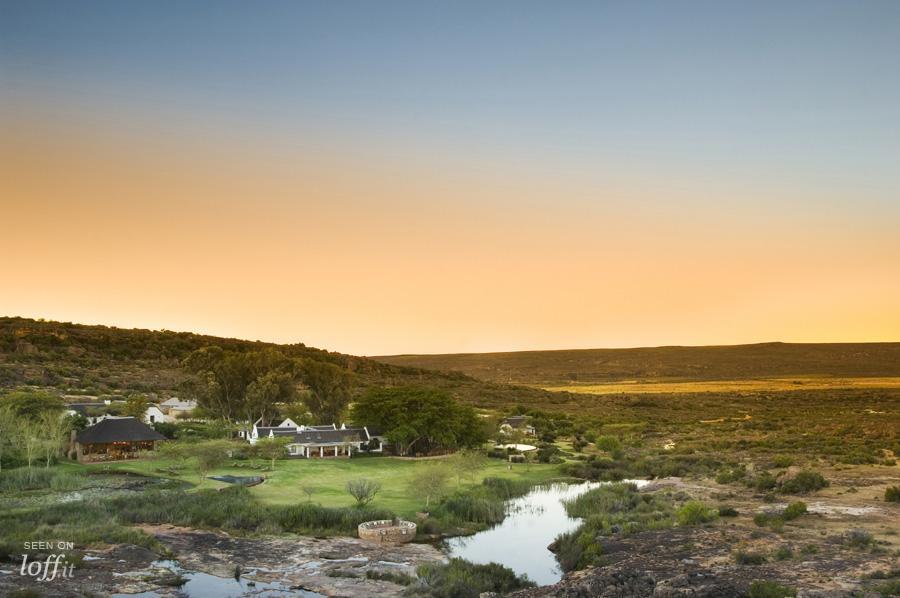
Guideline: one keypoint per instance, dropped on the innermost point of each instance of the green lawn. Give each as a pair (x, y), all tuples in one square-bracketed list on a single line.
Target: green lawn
[(330, 476)]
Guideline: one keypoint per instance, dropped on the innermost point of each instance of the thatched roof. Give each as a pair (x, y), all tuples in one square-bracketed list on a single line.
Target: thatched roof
[(118, 429)]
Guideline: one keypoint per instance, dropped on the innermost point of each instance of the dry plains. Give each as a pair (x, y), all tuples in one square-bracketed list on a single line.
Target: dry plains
[(759, 385)]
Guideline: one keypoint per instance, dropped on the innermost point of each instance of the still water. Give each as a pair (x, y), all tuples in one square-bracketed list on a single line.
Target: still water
[(520, 541)]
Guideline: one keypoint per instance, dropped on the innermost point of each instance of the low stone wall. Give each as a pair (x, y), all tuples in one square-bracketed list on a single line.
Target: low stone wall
[(387, 530)]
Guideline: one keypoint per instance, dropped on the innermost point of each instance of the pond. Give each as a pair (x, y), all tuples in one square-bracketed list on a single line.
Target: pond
[(204, 585), (520, 542)]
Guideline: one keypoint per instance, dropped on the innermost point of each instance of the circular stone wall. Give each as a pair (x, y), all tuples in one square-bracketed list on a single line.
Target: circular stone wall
[(387, 530)]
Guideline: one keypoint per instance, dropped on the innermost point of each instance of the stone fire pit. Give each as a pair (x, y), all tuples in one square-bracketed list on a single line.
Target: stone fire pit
[(395, 531)]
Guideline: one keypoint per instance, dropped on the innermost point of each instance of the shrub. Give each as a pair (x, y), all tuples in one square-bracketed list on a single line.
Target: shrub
[(783, 461), (770, 589), (891, 588), (727, 511), (804, 483), (892, 494), (794, 510), (762, 482), (858, 538), (749, 558), (462, 579), (608, 443), (784, 553), (732, 474), (694, 512)]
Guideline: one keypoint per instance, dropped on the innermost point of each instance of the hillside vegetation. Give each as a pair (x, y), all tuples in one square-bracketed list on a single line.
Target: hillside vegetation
[(77, 359), (598, 366)]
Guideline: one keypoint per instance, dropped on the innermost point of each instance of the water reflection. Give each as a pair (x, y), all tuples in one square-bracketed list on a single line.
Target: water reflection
[(520, 541)]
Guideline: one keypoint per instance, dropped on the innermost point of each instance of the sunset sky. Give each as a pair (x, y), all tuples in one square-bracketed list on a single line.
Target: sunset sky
[(412, 177)]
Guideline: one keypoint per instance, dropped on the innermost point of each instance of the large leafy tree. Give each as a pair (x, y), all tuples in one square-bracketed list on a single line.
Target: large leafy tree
[(329, 388), (242, 386), (419, 419), (30, 405)]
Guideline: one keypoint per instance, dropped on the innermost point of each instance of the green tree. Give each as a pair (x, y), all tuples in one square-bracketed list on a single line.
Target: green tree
[(329, 389), (271, 448), (136, 406), (241, 386), (430, 481), (9, 432), (209, 454), (418, 419), (363, 490), (467, 463), (55, 430), (28, 404)]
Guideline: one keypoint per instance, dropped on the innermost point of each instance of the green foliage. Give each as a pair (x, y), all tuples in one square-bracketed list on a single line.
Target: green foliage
[(30, 405), (784, 553), (609, 509), (608, 443), (762, 482), (430, 482), (727, 511), (859, 539), (329, 389), (135, 406), (891, 588), (770, 589), (748, 558), (22, 479), (419, 420), (804, 482), (892, 494), (462, 579), (694, 512), (794, 510), (241, 386), (270, 448), (363, 490)]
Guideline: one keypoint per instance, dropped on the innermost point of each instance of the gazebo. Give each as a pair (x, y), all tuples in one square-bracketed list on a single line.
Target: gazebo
[(115, 438)]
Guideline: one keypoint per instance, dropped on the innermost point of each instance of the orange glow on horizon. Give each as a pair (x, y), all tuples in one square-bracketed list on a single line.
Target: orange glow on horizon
[(371, 256)]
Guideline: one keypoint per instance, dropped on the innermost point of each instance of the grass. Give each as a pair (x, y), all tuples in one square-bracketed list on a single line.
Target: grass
[(329, 477)]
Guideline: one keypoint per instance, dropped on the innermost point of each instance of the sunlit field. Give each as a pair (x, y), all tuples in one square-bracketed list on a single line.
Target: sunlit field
[(758, 385)]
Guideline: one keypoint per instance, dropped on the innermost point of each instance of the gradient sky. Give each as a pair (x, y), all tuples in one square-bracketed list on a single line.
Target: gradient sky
[(391, 177)]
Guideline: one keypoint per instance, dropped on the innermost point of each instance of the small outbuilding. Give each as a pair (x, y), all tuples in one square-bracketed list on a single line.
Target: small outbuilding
[(115, 438)]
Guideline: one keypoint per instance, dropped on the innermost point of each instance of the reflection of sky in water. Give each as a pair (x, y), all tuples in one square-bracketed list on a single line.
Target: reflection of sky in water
[(204, 585), (521, 541)]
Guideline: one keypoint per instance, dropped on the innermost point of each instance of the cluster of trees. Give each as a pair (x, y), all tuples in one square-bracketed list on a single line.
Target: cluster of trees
[(258, 385), (419, 420), (33, 429)]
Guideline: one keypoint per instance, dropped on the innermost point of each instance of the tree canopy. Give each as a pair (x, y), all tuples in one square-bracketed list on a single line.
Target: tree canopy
[(419, 420)]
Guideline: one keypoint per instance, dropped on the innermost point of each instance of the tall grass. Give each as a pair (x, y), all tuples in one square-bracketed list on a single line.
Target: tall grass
[(23, 478)]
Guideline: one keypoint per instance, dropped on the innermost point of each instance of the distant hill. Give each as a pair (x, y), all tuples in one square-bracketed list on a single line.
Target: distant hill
[(77, 359), (734, 362)]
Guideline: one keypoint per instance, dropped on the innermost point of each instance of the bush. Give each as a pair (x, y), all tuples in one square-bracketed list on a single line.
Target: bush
[(462, 579), (608, 443), (891, 588), (749, 558), (770, 589), (892, 494), (784, 553), (783, 461), (726, 511), (794, 510), (762, 482), (804, 483), (858, 538), (694, 512)]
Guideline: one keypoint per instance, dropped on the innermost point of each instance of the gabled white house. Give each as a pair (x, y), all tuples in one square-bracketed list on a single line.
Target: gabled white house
[(154, 415)]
